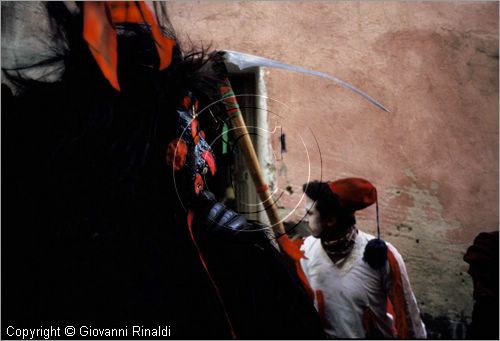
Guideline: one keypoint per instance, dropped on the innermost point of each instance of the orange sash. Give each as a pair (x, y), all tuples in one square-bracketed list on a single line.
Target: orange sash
[(99, 18)]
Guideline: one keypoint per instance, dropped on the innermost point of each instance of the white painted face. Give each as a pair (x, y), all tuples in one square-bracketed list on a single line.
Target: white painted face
[(313, 218)]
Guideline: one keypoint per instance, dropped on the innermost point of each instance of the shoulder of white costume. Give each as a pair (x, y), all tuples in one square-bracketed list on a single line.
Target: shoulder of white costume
[(309, 243)]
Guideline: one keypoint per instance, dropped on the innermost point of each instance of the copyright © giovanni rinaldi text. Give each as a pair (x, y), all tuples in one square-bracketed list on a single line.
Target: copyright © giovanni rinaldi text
[(51, 332)]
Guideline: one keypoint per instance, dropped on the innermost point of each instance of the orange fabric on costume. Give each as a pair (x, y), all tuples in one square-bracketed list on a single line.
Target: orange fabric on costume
[(190, 219), (292, 250), (321, 304), (398, 298), (100, 34)]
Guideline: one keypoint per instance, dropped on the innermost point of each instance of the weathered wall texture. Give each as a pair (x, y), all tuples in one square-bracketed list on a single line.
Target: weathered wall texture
[(434, 157)]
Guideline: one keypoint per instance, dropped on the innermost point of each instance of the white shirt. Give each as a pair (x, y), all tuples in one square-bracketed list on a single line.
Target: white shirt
[(349, 287)]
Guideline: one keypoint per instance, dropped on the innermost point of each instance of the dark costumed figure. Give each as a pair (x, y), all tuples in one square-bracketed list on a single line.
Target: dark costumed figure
[(106, 217), (482, 257)]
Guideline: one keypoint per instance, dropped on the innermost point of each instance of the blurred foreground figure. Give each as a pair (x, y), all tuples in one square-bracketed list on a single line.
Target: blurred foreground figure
[(106, 220), (358, 282), (482, 257)]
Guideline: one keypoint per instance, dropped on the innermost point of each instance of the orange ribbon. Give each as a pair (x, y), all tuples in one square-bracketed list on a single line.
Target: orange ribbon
[(99, 33)]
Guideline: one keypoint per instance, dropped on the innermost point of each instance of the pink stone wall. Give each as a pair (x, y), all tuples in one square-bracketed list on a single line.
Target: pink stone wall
[(433, 158)]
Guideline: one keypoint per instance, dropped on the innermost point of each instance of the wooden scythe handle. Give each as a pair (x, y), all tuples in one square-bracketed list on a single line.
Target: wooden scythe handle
[(246, 146)]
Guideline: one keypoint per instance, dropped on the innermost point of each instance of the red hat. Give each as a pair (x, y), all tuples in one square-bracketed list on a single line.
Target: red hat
[(354, 193)]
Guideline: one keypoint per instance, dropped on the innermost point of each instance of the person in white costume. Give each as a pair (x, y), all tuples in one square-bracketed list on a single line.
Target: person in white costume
[(359, 291)]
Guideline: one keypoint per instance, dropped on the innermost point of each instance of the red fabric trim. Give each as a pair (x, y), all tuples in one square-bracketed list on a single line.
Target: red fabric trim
[(209, 158), (164, 45), (262, 188), (176, 154), (398, 298), (190, 218), (195, 126), (186, 102), (290, 248), (125, 11), (390, 310), (320, 298), (293, 252), (100, 34), (198, 184)]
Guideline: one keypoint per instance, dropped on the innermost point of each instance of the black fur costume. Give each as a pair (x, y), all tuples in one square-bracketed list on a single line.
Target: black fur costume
[(92, 230)]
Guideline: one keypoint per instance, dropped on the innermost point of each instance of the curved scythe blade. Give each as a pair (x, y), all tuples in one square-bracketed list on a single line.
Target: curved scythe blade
[(244, 61)]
